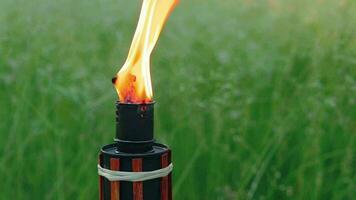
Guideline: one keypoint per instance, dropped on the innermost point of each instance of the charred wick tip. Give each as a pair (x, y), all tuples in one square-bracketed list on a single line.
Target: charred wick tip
[(113, 80)]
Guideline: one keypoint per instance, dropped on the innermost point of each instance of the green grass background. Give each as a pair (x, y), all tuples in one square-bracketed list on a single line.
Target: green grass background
[(255, 98)]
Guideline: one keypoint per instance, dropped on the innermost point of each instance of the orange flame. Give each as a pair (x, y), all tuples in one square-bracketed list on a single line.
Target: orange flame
[(133, 81)]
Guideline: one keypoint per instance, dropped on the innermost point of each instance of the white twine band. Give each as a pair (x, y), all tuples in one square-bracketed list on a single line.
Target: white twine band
[(134, 176)]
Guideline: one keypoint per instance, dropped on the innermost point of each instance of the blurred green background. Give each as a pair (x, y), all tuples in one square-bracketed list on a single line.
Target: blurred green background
[(256, 98)]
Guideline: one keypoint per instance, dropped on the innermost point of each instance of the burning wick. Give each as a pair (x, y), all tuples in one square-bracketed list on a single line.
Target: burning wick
[(133, 81)]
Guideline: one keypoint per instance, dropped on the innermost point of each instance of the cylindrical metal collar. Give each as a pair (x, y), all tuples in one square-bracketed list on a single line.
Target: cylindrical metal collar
[(134, 126)]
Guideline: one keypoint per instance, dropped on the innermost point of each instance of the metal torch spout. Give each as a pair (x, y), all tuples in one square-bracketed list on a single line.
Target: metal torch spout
[(134, 127)]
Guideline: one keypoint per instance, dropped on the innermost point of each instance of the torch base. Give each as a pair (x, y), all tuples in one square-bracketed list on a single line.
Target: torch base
[(156, 189)]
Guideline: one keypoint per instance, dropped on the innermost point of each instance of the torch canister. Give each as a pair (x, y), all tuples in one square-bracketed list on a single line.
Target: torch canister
[(131, 168)]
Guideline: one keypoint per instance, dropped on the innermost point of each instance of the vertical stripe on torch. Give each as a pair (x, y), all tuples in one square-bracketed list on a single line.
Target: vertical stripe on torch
[(169, 176), (101, 195), (137, 186), (115, 185), (164, 181)]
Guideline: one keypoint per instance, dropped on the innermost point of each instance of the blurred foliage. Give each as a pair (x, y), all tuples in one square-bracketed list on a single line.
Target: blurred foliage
[(256, 98)]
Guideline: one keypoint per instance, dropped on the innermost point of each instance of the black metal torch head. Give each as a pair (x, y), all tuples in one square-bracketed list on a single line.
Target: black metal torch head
[(134, 150), (134, 127)]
